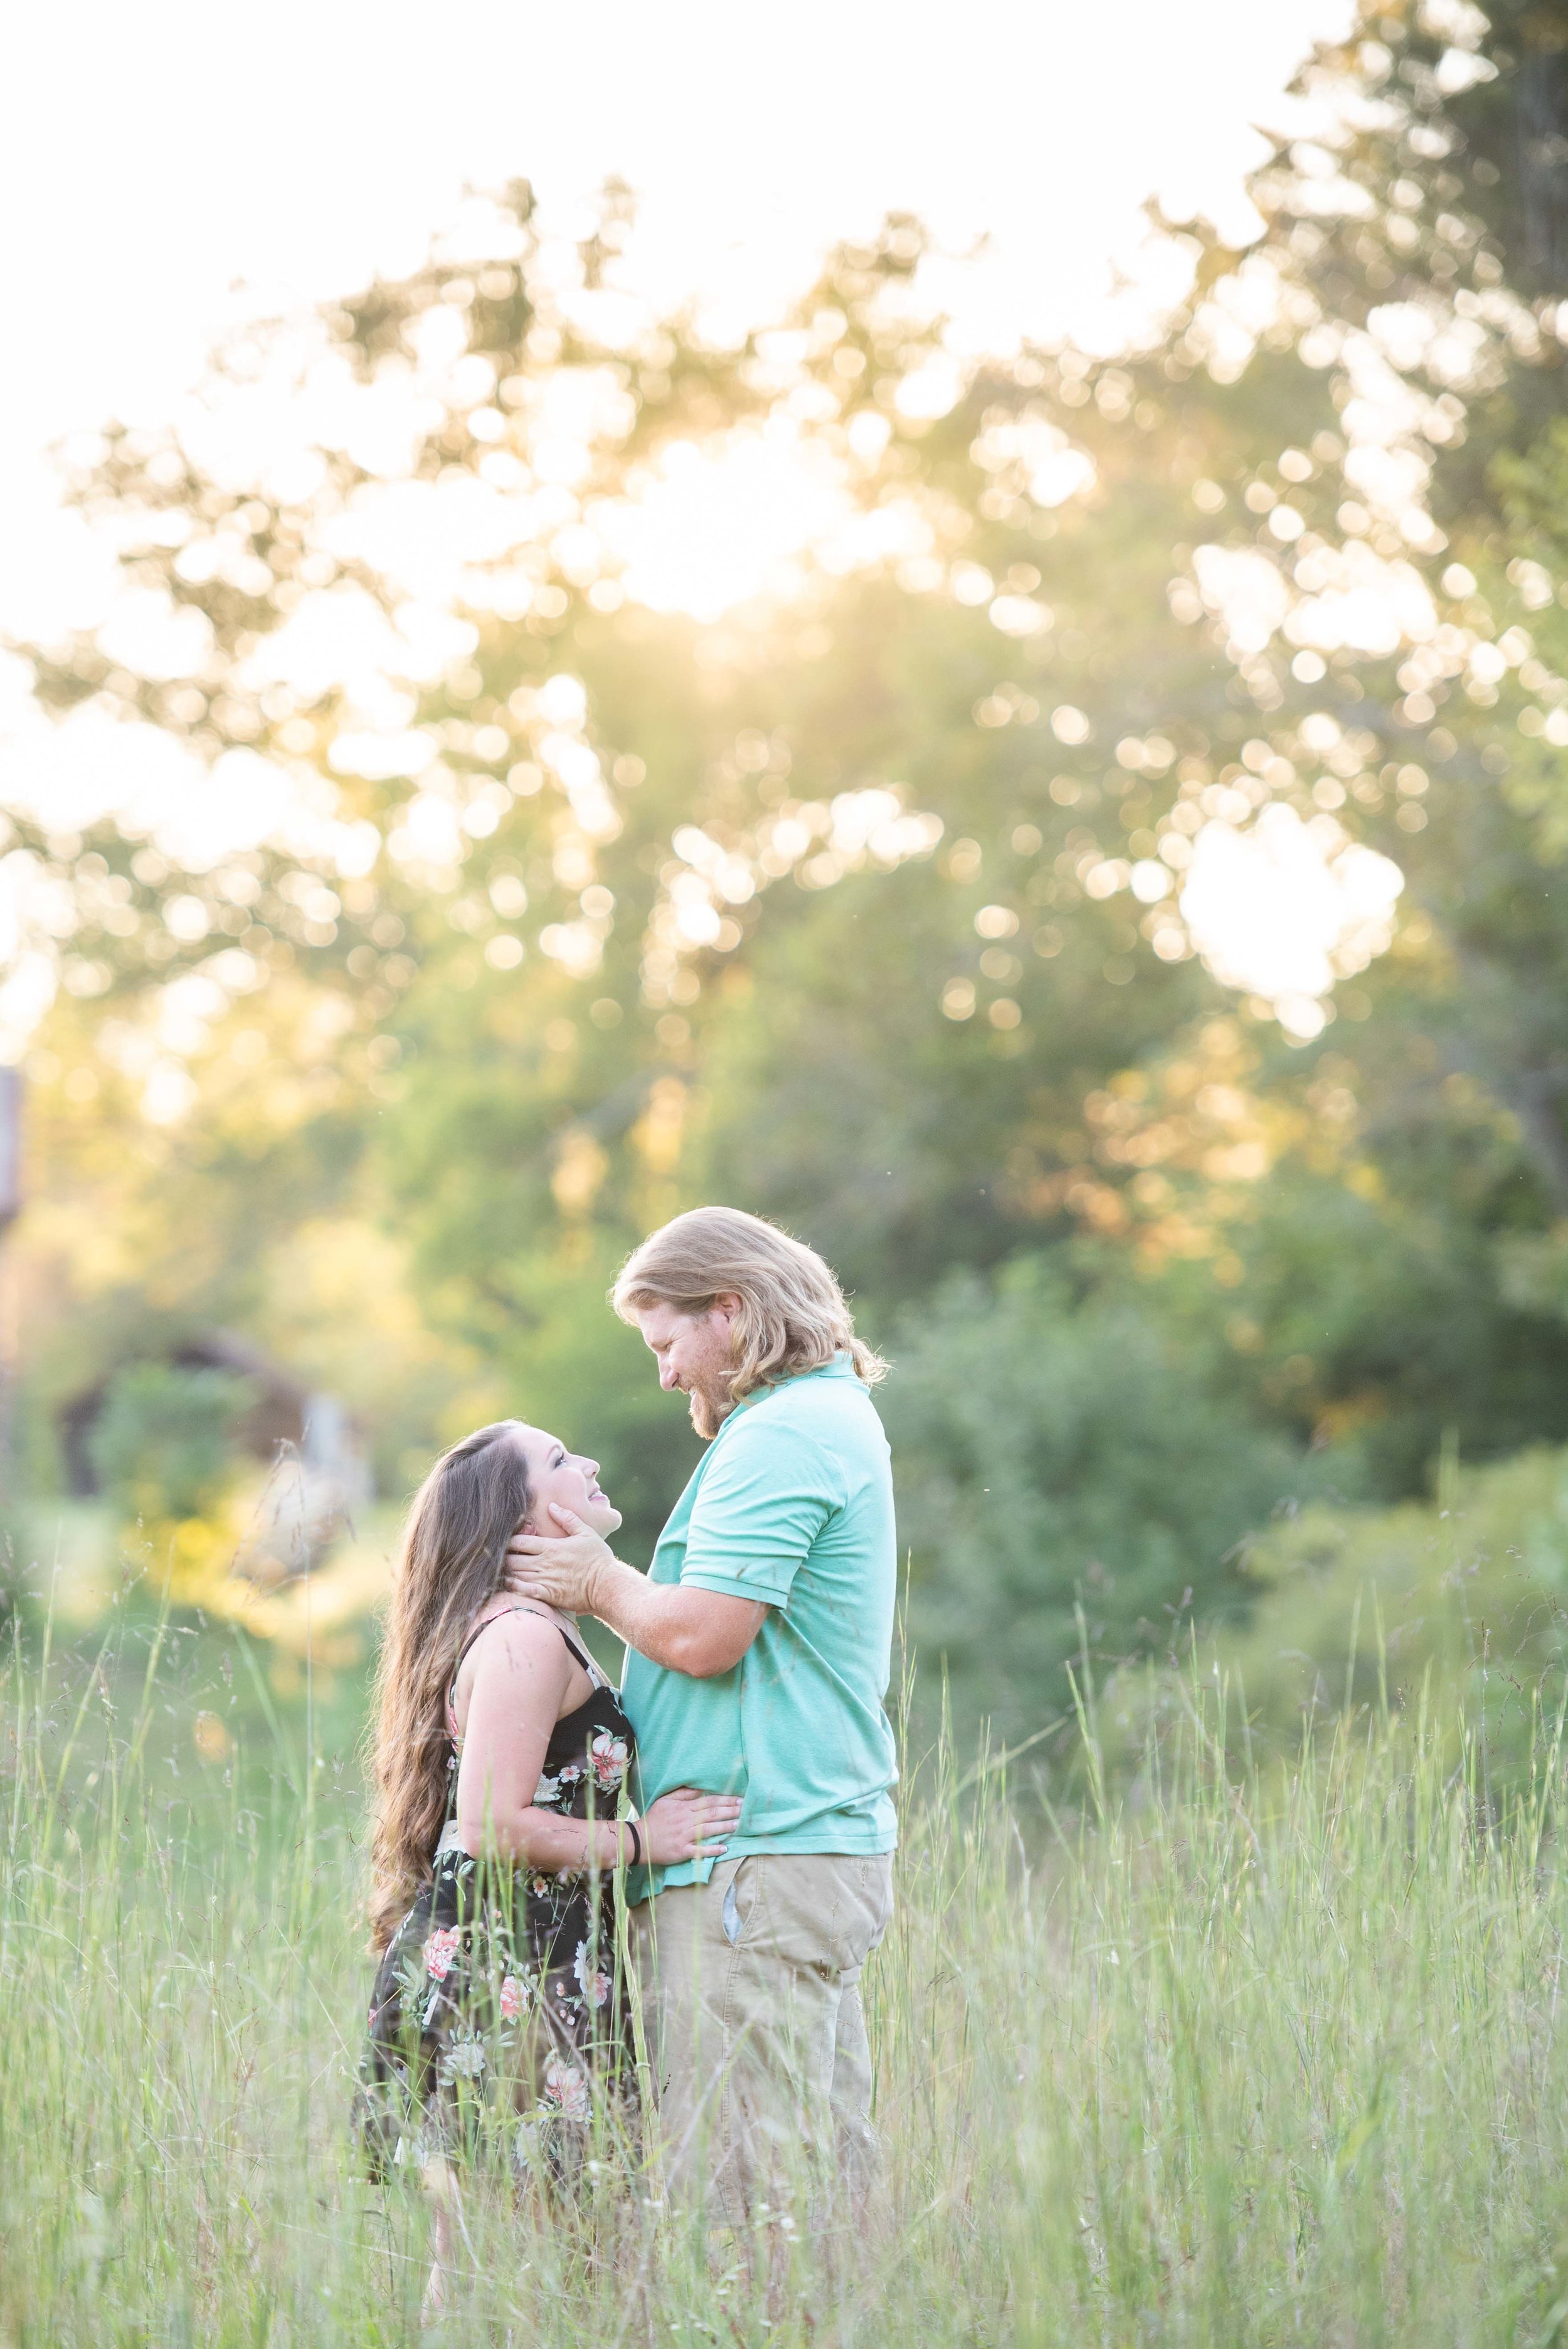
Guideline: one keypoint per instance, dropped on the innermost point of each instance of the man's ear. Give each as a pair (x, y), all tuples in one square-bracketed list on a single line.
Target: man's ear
[(728, 1303)]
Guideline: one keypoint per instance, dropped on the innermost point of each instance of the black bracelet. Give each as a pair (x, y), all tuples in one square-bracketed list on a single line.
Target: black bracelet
[(631, 1826)]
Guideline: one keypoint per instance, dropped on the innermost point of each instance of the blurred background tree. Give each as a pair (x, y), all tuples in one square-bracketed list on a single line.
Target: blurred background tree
[(527, 895), (161, 1445), (163, 1450)]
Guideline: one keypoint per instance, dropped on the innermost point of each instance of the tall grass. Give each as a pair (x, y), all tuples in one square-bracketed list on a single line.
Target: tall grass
[(1263, 2054)]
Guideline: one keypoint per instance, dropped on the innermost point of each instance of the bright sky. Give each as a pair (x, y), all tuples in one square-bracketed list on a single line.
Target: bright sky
[(156, 156), (157, 160)]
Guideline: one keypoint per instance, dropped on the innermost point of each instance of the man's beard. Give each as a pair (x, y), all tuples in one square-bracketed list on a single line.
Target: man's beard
[(708, 1413)]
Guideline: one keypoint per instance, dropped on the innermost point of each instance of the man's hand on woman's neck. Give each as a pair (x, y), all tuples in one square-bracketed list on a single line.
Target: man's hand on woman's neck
[(699, 1632)]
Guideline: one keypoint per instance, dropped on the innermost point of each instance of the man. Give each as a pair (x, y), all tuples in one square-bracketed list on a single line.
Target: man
[(759, 1646)]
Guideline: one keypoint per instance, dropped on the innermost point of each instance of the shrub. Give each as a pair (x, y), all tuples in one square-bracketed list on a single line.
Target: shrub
[(163, 1444), (1051, 1452)]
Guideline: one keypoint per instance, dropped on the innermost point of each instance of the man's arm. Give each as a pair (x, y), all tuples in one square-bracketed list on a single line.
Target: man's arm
[(686, 1628)]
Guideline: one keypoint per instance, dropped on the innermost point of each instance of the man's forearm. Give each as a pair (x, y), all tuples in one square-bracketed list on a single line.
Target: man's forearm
[(634, 1608), (686, 1630)]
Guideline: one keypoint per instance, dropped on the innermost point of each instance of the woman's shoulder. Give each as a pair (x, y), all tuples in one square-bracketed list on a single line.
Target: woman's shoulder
[(515, 1638), (522, 1668), (522, 1629)]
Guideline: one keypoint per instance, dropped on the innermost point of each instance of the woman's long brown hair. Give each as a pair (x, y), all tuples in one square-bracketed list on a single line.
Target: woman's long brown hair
[(451, 1562)]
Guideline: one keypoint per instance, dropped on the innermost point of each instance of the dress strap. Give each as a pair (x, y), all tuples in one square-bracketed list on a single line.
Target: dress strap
[(583, 1658)]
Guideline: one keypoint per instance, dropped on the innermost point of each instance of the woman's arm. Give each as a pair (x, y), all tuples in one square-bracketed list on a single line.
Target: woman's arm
[(522, 1671)]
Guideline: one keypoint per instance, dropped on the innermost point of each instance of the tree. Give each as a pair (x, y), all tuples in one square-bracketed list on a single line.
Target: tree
[(878, 907), (1066, 1477)]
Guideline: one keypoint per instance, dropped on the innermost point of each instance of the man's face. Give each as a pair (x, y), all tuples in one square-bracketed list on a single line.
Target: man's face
[(692, 1352)]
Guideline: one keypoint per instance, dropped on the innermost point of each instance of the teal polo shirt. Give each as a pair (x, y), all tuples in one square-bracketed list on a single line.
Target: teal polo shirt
[(791, 1504)]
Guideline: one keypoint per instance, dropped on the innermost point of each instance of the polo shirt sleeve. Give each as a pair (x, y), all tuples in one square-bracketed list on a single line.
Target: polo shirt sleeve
[(760, 1507)]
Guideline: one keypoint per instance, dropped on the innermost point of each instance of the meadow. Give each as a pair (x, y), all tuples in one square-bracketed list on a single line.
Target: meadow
[(1232, 2048), (1091, 878)]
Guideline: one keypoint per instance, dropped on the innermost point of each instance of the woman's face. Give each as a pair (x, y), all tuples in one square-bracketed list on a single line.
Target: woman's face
[(570, 1480)]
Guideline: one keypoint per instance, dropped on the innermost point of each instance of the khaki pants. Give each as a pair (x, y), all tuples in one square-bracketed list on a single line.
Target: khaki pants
[(757, 2037)]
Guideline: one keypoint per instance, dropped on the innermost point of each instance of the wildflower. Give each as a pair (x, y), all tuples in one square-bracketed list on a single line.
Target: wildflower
[(441, 1950), (565, 2088), (464, 2058), (513, 1997), (592, 1979)]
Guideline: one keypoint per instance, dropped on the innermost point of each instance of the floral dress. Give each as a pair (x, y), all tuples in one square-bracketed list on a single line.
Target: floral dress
[(498, 2019)]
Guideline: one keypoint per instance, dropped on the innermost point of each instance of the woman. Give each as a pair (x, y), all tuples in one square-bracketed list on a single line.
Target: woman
[(501, 1760)]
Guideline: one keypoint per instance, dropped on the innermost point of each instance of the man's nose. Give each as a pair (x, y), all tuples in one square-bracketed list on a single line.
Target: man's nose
[(666, 1373)]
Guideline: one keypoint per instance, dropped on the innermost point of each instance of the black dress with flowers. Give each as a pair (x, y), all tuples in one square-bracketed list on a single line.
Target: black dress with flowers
[(499, 2020)]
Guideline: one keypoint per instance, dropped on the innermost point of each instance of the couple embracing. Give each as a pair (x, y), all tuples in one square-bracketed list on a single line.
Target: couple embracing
[(737, 1788)]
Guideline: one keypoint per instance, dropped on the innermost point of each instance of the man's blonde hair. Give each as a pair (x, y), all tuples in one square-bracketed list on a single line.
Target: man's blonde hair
[(792, 1314)]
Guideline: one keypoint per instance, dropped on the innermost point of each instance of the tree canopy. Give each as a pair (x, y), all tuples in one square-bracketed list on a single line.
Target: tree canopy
[(491, 892)]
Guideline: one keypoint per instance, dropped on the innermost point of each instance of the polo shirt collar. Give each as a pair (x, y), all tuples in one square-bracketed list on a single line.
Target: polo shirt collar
[(840, 1367)]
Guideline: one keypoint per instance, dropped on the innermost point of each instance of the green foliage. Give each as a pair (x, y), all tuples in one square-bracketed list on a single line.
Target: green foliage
[(1460, 1602), (1061, 1463), (451, 1078), (1378, 1320), (568, 1364), (163, 1446)]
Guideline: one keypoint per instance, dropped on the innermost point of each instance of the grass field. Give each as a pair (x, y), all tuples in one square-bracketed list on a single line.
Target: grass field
[(1265, 2053)]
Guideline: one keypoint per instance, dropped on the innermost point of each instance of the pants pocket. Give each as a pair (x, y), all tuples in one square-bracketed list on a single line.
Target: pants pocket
[(864, 1910), (732, 1921)]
